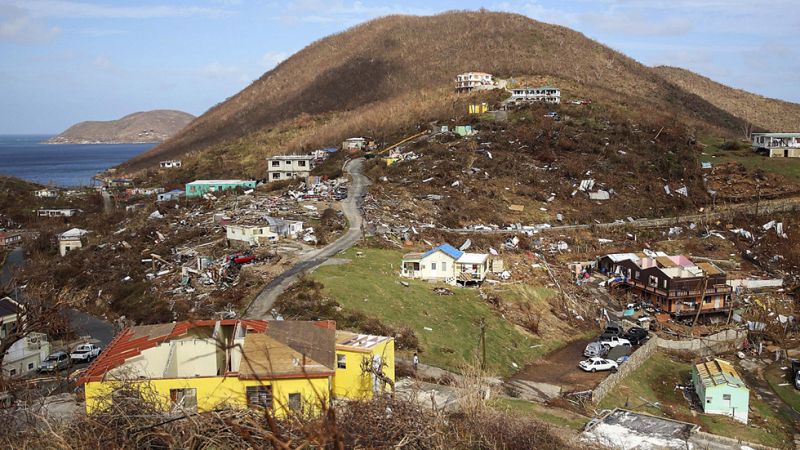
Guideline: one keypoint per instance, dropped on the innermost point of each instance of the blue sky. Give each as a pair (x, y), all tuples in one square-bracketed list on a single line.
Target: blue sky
[(64, 61)]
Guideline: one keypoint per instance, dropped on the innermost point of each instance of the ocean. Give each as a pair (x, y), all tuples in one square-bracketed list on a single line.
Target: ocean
[(65, 165)]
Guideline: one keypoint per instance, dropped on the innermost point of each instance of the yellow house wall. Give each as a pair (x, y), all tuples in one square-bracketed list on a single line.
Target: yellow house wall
[(351, 382), (215, 392)]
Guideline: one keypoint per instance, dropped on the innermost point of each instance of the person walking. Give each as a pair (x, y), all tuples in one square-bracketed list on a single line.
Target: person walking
[(415, 361)]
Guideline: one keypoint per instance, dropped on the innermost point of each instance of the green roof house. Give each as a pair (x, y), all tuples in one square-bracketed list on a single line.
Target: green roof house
[(721, 389), (200, 187)]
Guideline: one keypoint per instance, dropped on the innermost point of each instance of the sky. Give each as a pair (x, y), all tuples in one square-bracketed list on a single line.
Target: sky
[(65, 61)]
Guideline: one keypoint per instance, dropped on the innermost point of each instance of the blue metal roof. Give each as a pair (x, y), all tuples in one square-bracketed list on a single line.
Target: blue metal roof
[(330, 150), (447, 249)]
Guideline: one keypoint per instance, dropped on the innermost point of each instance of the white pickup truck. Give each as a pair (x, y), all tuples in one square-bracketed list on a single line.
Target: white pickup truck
[(612, 342), (84, 353)]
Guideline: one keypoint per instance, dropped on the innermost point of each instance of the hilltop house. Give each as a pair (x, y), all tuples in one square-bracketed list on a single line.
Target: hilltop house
[(62, 212), (782, 145), (71, 239), (545, 94), (170, 164), (25, 355), (8, 238), (720, 389), (289, 167), (202, 365), (673, 284), (250, 234), (447, 264), (355, 144), (199, 188), (470, 81)]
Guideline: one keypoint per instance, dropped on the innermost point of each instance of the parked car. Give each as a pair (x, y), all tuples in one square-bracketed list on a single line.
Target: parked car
[(55, 362), (595, 364), (614, 341), (594, 349), (614, 328), (84, 353), (618, 353), (636, 335), (796, 373)]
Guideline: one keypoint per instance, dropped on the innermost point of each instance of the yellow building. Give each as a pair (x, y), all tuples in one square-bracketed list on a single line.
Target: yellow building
[(204, 365), (364, 365)]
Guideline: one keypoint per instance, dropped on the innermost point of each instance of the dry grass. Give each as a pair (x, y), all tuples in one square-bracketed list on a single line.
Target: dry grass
[(373, 78)]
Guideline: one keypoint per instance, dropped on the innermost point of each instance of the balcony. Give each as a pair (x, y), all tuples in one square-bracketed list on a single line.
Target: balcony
[(714, 290)]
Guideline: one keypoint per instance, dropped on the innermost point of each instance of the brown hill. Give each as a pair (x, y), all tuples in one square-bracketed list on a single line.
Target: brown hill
[(140, 127), (387, 75), (763, 112)]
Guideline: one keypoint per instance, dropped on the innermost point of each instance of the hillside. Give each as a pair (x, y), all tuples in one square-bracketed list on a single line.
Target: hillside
[(764, 113), (140, 127), (388, 75)]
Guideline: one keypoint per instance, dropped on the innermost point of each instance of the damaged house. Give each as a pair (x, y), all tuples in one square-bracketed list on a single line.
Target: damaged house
[(289, 167), (251, 235), (720, 389), (199, 188), (674, 284), (447, 264), (286, 366), (285, 228), (780, 145), (470, 81), (71, 239), (544, 94)]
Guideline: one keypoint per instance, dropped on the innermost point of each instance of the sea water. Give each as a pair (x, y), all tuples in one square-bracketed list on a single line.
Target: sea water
[(65, 165)]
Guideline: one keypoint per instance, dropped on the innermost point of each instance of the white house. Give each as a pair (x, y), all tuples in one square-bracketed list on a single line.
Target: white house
[(289, 167), (70, 240), (64, 212), (285, 228), (25, 355), (781, 145), (355, 144), (545, 94), (46, 193), (469, 81), (9, 238), (170, 164), (174, 194), (447, 264), (250, 234)]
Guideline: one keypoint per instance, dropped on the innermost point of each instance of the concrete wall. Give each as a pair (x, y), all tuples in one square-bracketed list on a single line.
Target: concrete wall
[(637, 358), (707, 346)]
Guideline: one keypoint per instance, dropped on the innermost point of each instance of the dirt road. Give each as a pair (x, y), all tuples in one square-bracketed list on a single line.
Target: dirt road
[(261, 306), (763, 207)]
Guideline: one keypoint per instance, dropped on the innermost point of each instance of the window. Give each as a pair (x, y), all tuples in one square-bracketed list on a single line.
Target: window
[(184, 398), (709, 399), (30, 366), (665, 284), (726, 397), (301, 163), (295, 402), (637, 274), (341, 361), (652, 281), (276, 176), (444, 267), (12, 372), (276, 163), (259, 396), (433, 266)]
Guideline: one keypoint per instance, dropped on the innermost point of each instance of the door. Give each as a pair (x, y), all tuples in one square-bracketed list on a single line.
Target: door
[(717, 303)]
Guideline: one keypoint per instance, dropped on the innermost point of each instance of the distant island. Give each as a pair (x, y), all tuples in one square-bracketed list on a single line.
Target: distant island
[(138, 128)]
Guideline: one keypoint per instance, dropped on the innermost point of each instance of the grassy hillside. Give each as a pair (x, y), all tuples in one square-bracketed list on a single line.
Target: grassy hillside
[(139, 127), (764, 113), (388, 75)]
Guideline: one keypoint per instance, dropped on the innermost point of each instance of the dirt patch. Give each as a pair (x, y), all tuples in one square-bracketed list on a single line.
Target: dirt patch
[(560, 368)]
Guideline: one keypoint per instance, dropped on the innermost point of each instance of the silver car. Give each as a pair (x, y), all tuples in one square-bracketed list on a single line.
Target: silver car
[(55, 362), (594, 349)]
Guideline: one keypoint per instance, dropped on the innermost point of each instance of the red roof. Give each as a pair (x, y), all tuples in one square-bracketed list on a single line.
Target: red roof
[(131, 341)]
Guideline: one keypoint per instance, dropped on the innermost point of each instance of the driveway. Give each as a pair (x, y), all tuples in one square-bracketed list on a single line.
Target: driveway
[(262, 305)]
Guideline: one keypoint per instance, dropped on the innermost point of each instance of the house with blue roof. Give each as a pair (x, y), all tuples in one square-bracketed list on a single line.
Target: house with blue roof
[(447, 264)]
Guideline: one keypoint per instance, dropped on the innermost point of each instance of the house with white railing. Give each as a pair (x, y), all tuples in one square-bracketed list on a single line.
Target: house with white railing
[(447, 264), (469, 81), (544, 94)]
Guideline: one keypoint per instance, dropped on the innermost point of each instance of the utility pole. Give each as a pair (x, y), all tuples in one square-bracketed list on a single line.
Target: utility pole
[(700, 304), (483, 344)]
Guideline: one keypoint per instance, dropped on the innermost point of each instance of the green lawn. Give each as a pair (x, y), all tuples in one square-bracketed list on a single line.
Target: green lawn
[(776, 377), (788, 167), (447, 326), (556, 417), (655, 382)]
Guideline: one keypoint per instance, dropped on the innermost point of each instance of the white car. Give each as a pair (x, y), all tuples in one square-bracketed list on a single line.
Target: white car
[(84, 353), (612, 342), (595, 364)]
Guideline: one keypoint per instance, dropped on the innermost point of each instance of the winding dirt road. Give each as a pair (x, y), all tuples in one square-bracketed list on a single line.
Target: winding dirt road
[(260, 307)]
